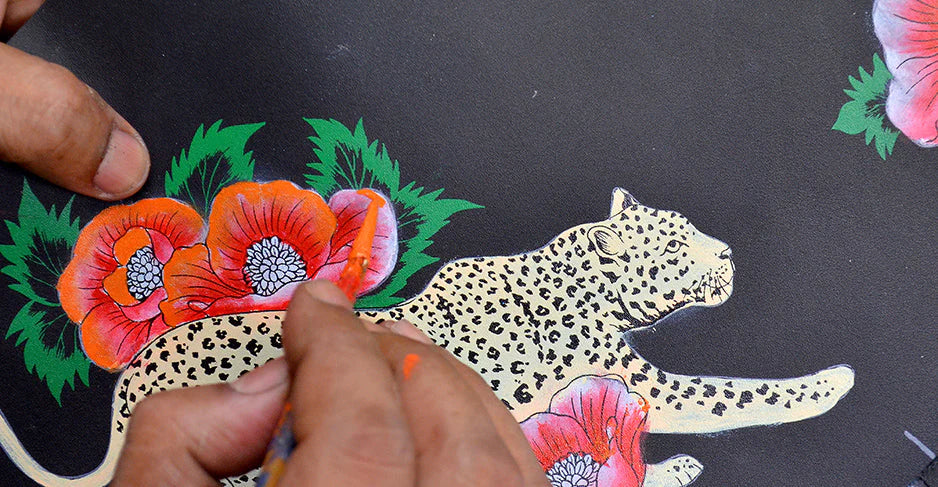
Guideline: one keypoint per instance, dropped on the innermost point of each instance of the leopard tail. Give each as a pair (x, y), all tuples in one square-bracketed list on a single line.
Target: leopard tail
[(18, 454)]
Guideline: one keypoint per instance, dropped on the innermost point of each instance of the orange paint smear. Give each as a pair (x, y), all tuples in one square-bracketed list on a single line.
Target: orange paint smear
[(410, 363)]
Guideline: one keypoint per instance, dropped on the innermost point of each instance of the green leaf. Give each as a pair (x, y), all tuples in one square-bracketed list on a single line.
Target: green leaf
[(346, 160), (216, 158), (42, 242), (852, 119), (866, 111), (51, 348)]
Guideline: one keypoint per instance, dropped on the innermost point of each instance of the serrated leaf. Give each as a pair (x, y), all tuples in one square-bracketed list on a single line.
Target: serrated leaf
[(216, 158), (50, 348), (866, 111), (42, 243), (344, 159)]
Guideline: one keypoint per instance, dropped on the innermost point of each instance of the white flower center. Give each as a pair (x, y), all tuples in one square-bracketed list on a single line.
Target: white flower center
[(577, 470), (144, 273), (272, 264)]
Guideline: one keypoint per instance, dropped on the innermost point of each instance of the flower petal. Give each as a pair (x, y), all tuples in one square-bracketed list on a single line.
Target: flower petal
[(605, 408), (147, 309), (111, 340), (350, 207), (81, 285), (115, 286), (192, 286), (253, 302), (554, 437), (631, 432), (162, 248), (908, 31), (135, 239), (245, 213), (620, 471)]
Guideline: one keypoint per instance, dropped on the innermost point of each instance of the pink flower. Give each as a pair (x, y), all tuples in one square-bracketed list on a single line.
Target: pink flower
[(908, 31), (591, 435)]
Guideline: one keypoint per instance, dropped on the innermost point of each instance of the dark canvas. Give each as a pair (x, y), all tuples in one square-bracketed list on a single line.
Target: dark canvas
[(719, 110)]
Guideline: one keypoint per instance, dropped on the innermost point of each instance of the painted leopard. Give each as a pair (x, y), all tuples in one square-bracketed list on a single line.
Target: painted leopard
[(529, 324)]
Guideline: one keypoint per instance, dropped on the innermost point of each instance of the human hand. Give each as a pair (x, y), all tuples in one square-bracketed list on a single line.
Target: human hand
[(57, 127), (366, 413)]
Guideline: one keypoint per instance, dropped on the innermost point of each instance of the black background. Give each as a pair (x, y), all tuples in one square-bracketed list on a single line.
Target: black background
[(536, 110)]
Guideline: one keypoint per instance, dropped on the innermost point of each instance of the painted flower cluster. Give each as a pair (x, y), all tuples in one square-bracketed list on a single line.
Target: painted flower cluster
[(141, 269)]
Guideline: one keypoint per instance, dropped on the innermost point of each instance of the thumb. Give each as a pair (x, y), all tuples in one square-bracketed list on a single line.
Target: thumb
[(57, 127), (197, 435)]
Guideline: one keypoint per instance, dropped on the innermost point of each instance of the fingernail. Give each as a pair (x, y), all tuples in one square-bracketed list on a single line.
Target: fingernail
[(125, 166), (407, 329), (264, 378)]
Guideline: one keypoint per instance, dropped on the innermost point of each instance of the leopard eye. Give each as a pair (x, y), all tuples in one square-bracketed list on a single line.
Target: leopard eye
[(673, 247)]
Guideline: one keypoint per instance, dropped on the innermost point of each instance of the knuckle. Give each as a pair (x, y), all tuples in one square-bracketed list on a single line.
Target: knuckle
[(151, 409), (149, 416), (69, 113)]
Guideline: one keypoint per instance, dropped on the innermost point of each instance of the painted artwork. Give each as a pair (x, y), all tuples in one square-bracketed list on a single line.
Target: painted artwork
[(190, 289), (685, 243)]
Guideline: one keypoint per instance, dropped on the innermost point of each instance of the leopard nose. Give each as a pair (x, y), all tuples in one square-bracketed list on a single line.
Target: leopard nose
[(726, 254)]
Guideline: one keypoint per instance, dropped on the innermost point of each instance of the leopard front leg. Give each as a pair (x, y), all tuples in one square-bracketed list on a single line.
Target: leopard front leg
[(695, 404)]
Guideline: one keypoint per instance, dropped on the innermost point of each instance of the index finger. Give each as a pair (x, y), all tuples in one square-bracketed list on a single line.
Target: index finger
[(349, 424)]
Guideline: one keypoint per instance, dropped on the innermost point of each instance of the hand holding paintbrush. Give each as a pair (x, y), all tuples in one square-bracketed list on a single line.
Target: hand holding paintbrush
[(350, 282), (399, 379)]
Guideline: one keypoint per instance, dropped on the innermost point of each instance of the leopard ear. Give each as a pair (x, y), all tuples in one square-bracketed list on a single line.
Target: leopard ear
[(607, 241), (621, 200)]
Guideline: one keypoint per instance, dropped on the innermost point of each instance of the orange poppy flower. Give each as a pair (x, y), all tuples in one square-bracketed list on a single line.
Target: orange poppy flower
[(264, 239), (113, 285)]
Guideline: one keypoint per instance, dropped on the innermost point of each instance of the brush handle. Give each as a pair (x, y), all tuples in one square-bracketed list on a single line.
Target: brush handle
[(279, 449), (350, 282)]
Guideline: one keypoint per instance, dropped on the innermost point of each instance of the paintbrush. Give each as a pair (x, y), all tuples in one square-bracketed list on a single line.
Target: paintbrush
[(929, 475), (350, 282)]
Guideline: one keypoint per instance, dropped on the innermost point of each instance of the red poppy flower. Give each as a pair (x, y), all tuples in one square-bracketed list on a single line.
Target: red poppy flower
[(591, 435), (907, 31), (113, 285), (263, 240)]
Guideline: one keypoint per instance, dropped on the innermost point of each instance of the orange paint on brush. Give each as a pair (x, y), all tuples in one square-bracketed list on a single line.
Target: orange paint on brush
[(350, 279), (410, 363), (350, 282)]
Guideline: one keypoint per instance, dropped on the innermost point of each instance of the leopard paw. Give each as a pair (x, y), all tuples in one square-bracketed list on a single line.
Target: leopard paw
[(677, 471)]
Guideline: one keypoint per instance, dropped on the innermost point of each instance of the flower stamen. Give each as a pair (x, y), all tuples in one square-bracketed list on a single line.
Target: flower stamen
[(577, 470), (144, 273), (272, 264)]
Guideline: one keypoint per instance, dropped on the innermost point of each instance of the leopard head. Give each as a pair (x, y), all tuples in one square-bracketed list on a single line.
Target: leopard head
[(657, 262)]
